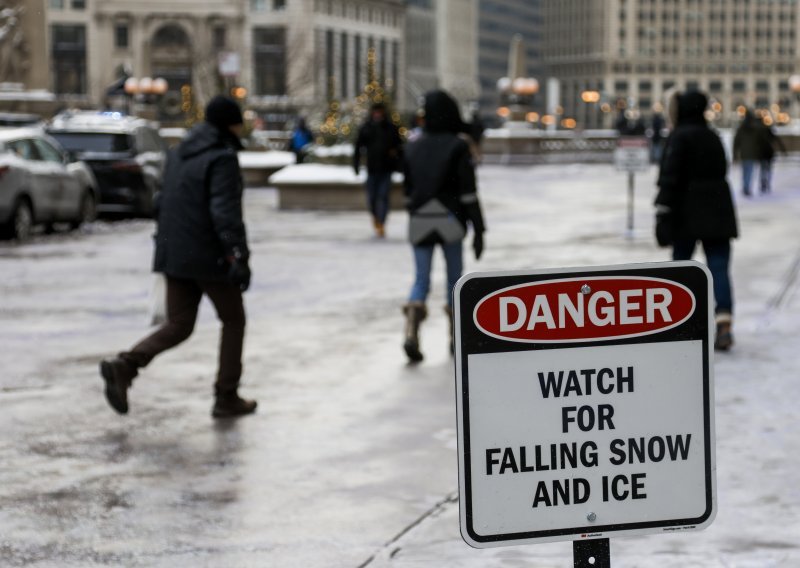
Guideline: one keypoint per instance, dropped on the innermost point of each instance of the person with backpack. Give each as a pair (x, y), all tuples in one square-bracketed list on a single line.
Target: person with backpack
[(441, 198)]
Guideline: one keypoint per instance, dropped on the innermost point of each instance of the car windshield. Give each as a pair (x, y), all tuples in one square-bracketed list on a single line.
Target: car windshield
[(93, 141)]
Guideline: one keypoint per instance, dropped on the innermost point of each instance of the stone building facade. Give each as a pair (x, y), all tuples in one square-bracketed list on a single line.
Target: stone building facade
[(741, 52), (284, 56), (442, 48)]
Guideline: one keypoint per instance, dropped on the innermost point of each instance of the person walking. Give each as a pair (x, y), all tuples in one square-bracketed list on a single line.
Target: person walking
[(772, 143), (301, 140), (754, 144), (694, 203), (383, 145), (441, 197), (201, 248)]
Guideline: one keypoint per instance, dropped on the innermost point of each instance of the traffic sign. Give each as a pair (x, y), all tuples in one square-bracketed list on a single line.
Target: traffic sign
[(585, 402)]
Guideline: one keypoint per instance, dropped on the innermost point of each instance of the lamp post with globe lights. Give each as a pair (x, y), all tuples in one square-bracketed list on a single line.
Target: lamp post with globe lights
[(145, 90), (794, 86), (516, 97)]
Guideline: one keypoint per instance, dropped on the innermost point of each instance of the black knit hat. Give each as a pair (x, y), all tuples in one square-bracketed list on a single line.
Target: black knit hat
[(223, 112)]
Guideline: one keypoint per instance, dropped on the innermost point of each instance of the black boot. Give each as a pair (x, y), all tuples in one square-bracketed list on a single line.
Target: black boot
[(118, 375), (231, 405), (415, 314)]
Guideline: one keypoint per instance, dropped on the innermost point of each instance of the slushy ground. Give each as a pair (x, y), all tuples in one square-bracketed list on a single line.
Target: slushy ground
[(351, 459)]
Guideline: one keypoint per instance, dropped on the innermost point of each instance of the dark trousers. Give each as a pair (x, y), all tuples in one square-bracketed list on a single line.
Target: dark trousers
[(718, 258), (183, 301)]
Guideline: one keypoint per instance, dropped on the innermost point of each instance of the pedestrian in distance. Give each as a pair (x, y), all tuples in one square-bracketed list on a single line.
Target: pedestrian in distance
[(754, 144), (441, 198), (301, 140), (694, 203), (381, 140), (657, 125), (201, 248)]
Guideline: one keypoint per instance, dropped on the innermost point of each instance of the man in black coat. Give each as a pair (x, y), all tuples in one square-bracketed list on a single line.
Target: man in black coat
[(382, 142), (694, 203), (201, 248)]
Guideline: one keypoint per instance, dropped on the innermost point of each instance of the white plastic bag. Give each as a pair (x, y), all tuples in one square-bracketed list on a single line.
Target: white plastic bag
[(158, 300)]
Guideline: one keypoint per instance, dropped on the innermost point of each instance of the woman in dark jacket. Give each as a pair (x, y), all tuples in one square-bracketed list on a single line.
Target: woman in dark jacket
[(694, 203), (441, 197)]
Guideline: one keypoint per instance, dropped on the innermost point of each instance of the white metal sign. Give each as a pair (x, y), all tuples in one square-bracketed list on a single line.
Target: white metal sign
[(229, 63), (585, 403), (632, 154)]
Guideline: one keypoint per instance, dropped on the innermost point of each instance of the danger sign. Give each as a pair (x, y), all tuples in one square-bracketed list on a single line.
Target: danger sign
[(585, 403)]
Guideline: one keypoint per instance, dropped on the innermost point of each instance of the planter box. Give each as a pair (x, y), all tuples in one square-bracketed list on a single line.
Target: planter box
[(325, 187)]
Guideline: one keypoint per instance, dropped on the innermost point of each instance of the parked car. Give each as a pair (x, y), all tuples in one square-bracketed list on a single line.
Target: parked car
[(19, 119), (40, 183), (126, 154)]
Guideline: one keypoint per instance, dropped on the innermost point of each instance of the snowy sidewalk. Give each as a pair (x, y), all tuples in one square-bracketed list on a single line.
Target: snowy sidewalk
[(351, 459)]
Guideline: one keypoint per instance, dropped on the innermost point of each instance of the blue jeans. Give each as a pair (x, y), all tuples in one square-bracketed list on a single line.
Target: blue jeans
[(718, 258), (748, 166), (423, 260), (378, 186)]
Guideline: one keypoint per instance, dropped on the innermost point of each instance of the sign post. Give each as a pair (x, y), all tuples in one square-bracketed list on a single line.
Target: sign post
[(632, 155), (585, 405)]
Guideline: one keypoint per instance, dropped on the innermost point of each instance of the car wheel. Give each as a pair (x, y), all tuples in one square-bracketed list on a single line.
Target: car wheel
[(88, 211), (22, 221)]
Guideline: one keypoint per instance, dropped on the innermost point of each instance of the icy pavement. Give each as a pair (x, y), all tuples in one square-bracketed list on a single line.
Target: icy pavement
[(351, 459)]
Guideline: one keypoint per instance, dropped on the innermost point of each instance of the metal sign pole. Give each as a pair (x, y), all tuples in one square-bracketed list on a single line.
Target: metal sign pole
[(630, 203), (592, 553)]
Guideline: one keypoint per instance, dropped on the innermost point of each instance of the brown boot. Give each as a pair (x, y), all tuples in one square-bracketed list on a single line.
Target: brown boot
[(415, 314), (724, 338), (118, 375), (232, 405)]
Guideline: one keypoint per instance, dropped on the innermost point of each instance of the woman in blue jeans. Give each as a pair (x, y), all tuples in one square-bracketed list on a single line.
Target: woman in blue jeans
[(694, 203), (441, 197)]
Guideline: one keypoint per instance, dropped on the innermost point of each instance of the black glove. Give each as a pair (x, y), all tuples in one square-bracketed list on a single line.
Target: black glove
[(239, 269), (477, 245), (239, 274), (664, 229)]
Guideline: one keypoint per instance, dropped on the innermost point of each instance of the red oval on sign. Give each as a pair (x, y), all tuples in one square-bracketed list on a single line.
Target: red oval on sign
[(584, 309)]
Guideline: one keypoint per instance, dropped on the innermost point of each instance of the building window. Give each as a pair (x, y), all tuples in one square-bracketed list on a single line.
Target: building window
[(69, 59), (121, 39), (357, 86), (715, 86), (57, 4), (330, 77), (344, 61), (269, 61), (78, 4), (219, 37), (258, 5), (280, 4)]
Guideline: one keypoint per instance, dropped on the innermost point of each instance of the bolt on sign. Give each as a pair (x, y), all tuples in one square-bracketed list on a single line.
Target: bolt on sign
[(585, 402)]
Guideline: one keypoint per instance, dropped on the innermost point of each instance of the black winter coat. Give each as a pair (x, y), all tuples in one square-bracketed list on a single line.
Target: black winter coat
[(692, 182), (200, 208), (383, 144), (439, 165)]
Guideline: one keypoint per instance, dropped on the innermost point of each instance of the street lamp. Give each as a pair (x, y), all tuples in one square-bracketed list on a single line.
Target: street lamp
[(794, 86), (517, 96), (146, 89)]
